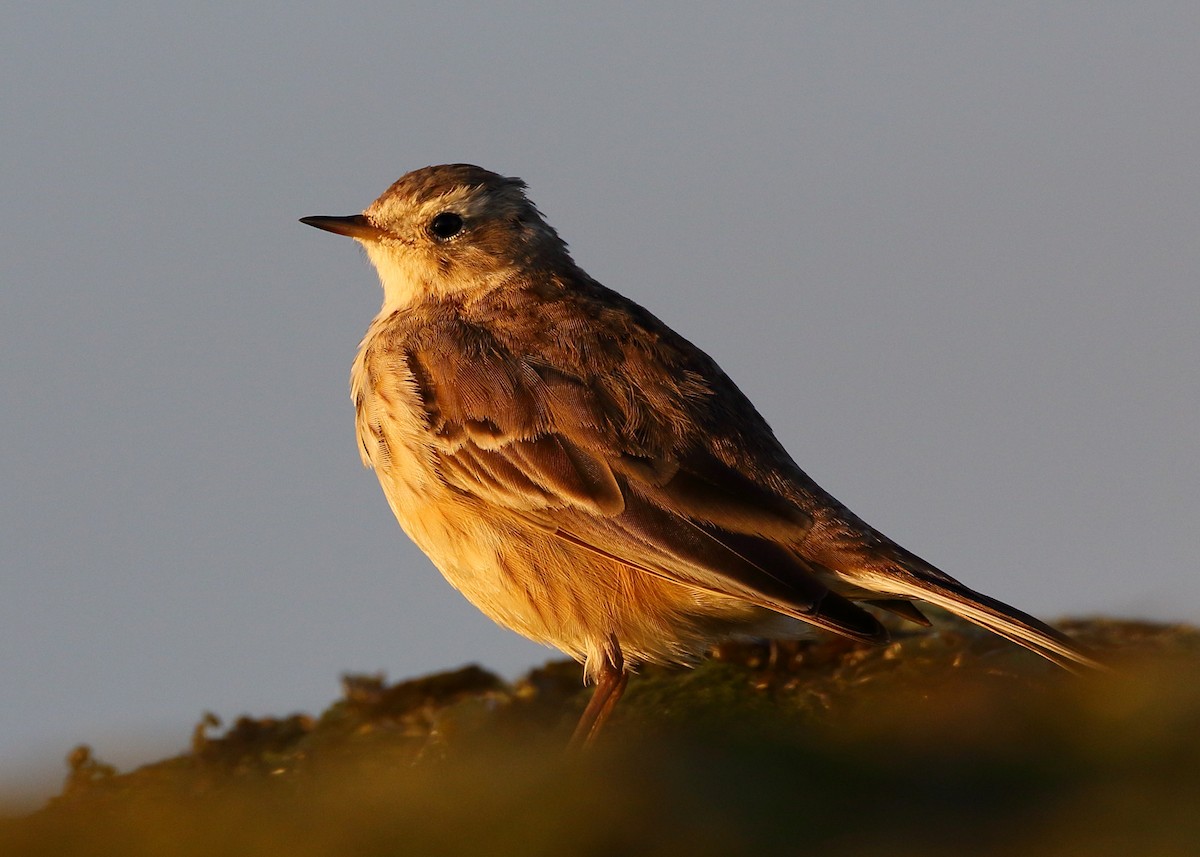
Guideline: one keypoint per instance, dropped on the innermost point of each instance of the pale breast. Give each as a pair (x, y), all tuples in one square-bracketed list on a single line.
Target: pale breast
[(396, 440), (392, 426), (519, 574)]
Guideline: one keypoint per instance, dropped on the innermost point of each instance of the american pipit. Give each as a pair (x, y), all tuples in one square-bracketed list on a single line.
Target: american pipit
[(586, 476)]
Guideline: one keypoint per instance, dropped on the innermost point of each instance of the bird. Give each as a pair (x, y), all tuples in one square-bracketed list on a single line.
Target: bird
[(585, 475)]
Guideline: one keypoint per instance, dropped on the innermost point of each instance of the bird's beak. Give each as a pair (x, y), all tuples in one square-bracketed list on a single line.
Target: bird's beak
[(354, 226)]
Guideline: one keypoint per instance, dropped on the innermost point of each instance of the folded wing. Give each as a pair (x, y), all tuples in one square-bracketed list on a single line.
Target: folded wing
[(560, 451)]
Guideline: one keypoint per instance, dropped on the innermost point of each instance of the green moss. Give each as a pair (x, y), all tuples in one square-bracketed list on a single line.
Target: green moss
[(942, 743)]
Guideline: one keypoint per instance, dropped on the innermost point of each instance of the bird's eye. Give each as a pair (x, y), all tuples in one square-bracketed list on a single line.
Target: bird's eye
[(445, 225)]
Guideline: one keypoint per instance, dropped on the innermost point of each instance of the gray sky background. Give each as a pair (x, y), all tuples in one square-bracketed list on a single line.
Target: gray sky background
[(950, 250)]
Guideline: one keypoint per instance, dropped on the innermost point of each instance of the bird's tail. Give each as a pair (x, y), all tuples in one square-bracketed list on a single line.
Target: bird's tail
[(922, 581)]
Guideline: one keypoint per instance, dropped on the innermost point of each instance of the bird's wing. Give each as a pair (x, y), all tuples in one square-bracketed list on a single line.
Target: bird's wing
[(553, 448)]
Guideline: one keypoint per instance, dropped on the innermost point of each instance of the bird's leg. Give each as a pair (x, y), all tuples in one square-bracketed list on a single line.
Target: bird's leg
[(609, 686)]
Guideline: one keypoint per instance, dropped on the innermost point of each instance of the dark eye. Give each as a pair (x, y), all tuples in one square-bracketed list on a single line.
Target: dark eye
[(445, 225)]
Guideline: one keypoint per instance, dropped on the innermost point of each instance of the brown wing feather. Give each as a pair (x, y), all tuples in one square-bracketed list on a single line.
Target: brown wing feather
[(538, 440)]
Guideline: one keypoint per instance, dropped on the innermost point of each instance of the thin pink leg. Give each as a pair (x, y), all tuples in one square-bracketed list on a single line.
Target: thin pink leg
[(609, 687)]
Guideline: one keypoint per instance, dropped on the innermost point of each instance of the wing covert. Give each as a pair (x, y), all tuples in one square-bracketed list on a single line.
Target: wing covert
[(559, 450)]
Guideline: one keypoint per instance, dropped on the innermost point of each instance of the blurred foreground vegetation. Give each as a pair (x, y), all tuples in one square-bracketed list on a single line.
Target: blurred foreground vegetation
[(948, 742)]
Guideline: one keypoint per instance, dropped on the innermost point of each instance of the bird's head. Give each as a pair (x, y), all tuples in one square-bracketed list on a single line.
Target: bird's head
[(450, 229)]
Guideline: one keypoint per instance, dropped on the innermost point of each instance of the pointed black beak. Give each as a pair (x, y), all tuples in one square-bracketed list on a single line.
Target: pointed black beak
[(354, 226)]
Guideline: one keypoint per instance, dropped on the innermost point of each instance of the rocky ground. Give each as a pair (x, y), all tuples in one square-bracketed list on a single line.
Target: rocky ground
[(944, 742)]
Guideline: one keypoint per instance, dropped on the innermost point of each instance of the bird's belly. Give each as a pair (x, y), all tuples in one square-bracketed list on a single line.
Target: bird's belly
[(556, 593)]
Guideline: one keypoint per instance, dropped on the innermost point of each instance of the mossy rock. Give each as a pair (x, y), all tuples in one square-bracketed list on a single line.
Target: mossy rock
[(948, 742)]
